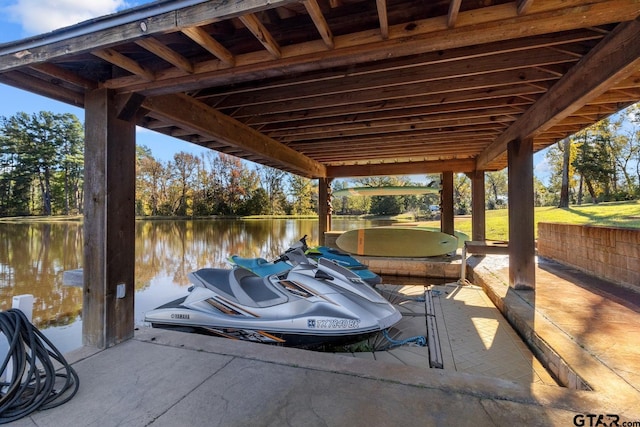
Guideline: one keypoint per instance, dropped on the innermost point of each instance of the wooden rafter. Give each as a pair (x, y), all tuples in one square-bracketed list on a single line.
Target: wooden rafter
[(381, 6), (422, 39), (201, 37), (386, 82), (65, 75), (452, 16), (318, 19), (124, 62), (166, 53), (259, 31), (523, 6)]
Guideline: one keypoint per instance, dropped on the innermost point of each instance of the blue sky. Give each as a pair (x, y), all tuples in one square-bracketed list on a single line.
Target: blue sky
[(24, 18)]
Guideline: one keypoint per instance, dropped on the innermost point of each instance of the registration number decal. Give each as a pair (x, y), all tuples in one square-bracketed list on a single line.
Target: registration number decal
[(179, 316), (333, 323)]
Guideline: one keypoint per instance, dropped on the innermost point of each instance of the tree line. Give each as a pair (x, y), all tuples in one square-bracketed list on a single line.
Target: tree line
[(42, 165)]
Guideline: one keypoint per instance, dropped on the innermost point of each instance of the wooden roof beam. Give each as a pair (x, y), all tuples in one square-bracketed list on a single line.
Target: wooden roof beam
[(112, 31), (453, 100), (263, 35), (615, 58), (42, 87), (381, 5), (389, 126), (124, 62), (163, 51), (429, 35), (523, 6), (408, 168), (520, 61), (452, 16), (318, 20), (409, 115), (60, 73), (446, 88), (210, 44), (188, 113)]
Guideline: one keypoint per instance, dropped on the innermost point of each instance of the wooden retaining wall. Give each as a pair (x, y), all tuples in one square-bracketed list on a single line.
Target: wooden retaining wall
[(612, 253)]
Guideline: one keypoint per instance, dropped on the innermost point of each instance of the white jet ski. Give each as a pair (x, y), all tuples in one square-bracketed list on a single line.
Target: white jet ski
[(306, 306), (292, 256)]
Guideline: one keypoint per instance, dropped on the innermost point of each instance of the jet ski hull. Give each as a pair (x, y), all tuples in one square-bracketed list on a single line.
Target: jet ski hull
[(294, 309)]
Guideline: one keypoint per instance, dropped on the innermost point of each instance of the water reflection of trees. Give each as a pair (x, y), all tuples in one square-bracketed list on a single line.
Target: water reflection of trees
[(175, 248), (32, 259), (34, 256)]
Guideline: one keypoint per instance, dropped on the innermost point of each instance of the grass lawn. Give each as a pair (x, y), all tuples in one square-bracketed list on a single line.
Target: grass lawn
[(616, 214)]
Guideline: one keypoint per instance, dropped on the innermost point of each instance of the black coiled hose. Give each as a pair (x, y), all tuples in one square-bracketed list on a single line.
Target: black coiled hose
[(35, 383)]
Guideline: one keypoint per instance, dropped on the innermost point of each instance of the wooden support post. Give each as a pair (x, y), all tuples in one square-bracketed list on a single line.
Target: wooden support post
[(522, 273), (478, 209), (446, 203), (325, 210), (109, 223)]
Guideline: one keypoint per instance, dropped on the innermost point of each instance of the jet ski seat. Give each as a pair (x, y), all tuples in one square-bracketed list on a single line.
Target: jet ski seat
[(254, 291), (239, 285)]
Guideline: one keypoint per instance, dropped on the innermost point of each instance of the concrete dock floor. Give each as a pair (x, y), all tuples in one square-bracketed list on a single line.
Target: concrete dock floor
[(586, 331)]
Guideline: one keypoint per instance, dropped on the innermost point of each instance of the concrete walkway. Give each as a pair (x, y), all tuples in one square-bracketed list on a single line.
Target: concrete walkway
[(165, 378)]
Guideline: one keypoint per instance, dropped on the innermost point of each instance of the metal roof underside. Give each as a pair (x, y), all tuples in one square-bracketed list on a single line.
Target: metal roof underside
[(330, 88)]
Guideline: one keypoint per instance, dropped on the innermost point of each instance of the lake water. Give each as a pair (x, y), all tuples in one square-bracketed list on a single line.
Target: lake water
[(33, 257)]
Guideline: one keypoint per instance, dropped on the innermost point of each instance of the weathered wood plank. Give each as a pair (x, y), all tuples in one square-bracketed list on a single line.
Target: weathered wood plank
[(111, 30), (43, 87), (65, 75)]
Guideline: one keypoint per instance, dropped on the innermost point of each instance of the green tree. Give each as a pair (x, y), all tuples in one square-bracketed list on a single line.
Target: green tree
[(349, 205), (303, 194), (185, 166), (150, 176), (594, 162), (42, 163), (461, 194), (271, 180), (496, 189), (257, 203), (385, 205)]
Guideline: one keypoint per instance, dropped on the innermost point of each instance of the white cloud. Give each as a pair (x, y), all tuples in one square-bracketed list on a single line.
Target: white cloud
[(41, 16)]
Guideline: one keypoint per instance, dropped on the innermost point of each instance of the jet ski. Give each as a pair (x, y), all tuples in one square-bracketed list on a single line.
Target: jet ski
[(345, 260), (291, 257), (305, 306)]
